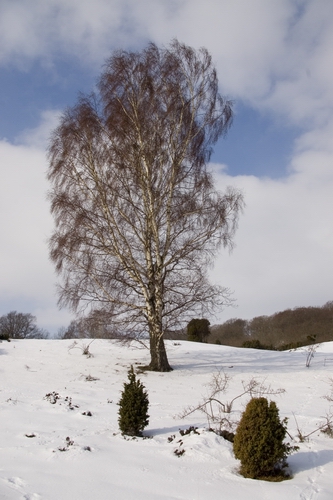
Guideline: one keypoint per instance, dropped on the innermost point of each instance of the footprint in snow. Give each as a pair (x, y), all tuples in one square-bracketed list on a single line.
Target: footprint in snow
[(18, 483)]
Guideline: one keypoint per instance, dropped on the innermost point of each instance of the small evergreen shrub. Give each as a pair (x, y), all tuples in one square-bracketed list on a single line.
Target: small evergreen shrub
[(258, 441), (133, 407)]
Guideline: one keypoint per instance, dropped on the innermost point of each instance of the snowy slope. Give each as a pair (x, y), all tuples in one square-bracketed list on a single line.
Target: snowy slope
[(97, 462)]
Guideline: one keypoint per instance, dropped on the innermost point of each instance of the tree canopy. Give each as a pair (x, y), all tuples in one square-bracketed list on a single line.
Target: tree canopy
[(16, 325), (137, 217)]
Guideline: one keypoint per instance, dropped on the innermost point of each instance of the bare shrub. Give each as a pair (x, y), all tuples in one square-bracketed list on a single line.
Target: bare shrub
[(84, 347), (219, 412), (326, 427), (310, 352)]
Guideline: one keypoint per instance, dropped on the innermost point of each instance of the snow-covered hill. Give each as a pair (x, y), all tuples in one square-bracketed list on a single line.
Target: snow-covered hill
[(59, 436)]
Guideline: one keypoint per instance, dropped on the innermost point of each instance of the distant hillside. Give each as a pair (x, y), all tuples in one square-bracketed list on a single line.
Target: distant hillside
[(284, 329)]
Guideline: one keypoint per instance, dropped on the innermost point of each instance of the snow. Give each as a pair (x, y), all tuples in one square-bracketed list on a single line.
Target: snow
[(98, 462)]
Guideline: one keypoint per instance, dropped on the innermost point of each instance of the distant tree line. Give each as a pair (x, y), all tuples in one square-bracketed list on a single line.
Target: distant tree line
[(283, 330)]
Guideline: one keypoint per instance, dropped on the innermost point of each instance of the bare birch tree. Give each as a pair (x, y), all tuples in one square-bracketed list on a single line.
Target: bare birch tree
[(137, 217)]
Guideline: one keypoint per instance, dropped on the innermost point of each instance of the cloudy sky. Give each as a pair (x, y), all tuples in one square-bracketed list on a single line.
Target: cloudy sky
[(274, 59)]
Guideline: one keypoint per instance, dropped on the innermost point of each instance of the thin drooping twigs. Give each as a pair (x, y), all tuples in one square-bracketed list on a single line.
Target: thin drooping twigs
[(138, 219)]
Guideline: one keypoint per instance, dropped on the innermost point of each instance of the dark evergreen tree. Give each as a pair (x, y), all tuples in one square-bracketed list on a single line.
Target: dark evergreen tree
[(198, 330), (133, 411), (258, 441)]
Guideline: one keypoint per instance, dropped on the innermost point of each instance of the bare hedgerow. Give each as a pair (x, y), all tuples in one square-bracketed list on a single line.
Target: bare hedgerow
[(219, 412)]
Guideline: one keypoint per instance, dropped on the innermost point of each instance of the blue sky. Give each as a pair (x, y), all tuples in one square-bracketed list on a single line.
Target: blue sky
[(255, 144), (274, 59)]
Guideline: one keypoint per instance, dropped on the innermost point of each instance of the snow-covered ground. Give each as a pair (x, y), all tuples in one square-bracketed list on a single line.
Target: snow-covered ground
[(52, 449)]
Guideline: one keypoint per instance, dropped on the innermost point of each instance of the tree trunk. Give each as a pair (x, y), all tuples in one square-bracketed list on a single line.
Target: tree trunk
[(159, 360)]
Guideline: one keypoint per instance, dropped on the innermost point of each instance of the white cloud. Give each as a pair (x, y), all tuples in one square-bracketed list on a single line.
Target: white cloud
[(38, 137), (303, 75), (245, 38), (27, 276), (79, 28), (283, 256), (274, 55)]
